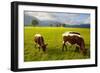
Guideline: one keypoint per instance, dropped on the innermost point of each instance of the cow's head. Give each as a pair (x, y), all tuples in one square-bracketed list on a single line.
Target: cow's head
[(44, 47)]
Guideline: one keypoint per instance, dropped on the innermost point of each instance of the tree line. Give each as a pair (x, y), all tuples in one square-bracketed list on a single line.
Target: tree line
[(36, 23)]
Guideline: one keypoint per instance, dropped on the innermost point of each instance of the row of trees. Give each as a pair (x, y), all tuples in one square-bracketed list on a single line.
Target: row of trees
[(35, 23), (58, 25)]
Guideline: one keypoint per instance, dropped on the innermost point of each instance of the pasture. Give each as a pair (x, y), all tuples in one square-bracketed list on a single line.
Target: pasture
[(53, 37)]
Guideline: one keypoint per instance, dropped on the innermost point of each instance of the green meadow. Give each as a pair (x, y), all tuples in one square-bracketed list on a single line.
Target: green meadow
[(53, 37)]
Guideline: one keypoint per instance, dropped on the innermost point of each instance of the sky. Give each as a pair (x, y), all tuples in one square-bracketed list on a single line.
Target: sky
[(67, 18)]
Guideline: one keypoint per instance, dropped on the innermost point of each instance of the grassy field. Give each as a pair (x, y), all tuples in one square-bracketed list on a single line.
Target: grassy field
[(53, 36)]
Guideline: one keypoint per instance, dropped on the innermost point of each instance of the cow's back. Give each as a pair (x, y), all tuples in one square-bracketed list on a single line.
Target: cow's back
[(73, 39)]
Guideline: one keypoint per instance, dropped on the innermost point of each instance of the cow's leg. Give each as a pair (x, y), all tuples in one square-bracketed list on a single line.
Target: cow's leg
[(77, 48), (39, 48), (44, 50), (63, 46), (67, 43), (66, 47), (82, 47), (35, 45), (82, 50)]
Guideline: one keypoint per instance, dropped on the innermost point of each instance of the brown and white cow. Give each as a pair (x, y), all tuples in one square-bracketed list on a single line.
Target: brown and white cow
[(74, 38), (39, 42)]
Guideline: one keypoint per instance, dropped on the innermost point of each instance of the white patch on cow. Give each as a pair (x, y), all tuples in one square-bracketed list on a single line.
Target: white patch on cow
[(74, 35), (76, 45), (37, 35), (63, 42), (67, 43), (65, 34), (38, 45), (70, 34)]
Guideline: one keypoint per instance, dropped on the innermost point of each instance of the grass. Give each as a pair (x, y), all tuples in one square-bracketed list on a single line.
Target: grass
[(53, 37)]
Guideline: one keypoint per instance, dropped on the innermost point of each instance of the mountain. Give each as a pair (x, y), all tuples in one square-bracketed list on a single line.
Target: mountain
[(28, 19), (79, 25)]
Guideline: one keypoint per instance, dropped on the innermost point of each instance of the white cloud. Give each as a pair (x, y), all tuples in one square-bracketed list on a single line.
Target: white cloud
[(68, 18), (41, 15), (87, 20)]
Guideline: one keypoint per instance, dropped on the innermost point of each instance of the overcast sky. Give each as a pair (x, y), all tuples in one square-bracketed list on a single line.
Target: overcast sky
[(68, 18)]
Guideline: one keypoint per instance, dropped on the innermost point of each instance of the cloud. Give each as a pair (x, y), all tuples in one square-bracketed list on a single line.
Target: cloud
[(87, 20), (41, 15), (78, 18), (68, 18)]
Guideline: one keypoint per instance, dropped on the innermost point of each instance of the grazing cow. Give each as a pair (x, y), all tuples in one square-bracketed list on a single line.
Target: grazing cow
[(73, 38), (40, 42)]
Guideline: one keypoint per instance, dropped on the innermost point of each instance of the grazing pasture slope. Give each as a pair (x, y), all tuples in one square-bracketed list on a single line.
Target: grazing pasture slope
[(53, 37)]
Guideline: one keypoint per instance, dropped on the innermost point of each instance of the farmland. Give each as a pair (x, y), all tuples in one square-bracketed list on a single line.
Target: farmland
[(53, 37)]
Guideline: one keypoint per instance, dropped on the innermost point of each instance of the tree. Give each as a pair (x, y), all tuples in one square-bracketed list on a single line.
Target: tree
[(51, 25), (34, 22), (57, 25), (64, 25)]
